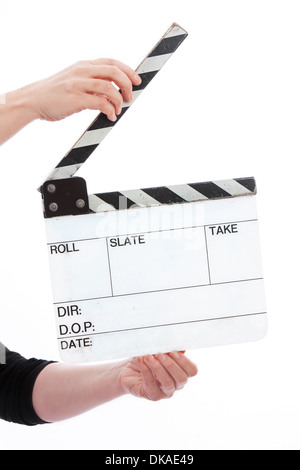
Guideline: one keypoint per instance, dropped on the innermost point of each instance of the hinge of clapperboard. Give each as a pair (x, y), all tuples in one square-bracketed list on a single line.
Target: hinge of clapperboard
[(63, 194)]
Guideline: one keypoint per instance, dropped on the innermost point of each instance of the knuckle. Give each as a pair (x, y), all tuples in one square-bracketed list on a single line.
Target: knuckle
[(106, 86), (103, 104), (114, 70), (71, 85), (110, 61), (79, 67)]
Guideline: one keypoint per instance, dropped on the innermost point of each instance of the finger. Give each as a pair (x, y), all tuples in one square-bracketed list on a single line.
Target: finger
[(116, 75), (186, 364), (132, 75), (104, 87), (167, 384), (151, 386), (178, 374), (100, 103), (182, 352)]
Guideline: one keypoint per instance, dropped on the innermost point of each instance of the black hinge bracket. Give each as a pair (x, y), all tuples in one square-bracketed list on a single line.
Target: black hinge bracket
[(65, 197)]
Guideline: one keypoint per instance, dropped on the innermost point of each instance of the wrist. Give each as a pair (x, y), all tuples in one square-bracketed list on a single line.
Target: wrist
[(108, 382), (120, 370), (22, 103)]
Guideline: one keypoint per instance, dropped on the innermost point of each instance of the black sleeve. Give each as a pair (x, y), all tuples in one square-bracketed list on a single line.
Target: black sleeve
[(17, 378)]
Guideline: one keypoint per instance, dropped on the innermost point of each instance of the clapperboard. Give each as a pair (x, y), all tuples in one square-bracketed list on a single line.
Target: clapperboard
[(154, 269)]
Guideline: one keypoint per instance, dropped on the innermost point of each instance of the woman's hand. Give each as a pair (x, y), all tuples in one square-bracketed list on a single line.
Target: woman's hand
[(84, 85), (62, 391), (157, 377)]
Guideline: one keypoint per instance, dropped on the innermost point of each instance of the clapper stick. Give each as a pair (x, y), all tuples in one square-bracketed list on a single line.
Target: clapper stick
[(101, 126)]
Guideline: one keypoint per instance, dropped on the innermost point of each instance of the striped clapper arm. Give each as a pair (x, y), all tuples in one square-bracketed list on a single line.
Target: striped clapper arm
[(101, 126), (173, 194)]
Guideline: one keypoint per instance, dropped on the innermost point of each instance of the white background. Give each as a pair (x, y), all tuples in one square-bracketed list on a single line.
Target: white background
[(225, 105)]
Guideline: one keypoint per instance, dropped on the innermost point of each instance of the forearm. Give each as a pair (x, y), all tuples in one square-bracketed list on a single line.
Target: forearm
[(16, 111), (63, 391)]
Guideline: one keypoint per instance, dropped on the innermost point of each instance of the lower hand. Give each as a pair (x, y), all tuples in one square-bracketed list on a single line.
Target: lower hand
[(157, 377)]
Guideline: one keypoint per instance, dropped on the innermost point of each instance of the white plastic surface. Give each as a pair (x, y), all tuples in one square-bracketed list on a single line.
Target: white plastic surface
[(157, 279)]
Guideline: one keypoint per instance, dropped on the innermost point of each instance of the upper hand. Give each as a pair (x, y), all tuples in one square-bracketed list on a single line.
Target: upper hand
[(84, 85), (157, 377)]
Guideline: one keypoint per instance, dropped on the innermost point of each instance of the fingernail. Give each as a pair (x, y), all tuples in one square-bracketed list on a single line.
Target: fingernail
[(180, 387), (150, 359), (176, 354), (138, 79), (114, 118), (161, 357)]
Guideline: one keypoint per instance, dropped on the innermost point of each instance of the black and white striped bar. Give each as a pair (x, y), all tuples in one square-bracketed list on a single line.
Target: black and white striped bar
[(101, 126), (176, 194)]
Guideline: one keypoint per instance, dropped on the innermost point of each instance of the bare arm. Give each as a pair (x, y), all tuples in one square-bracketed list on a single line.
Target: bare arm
[(84, 85), (63, 391), (15, 113)]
